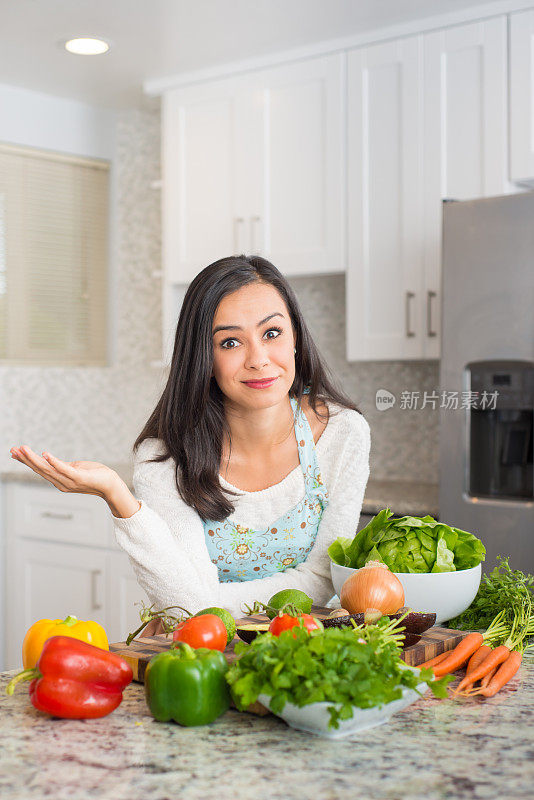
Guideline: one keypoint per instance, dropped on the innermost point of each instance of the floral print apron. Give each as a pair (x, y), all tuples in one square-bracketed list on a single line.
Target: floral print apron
[(243, 554)]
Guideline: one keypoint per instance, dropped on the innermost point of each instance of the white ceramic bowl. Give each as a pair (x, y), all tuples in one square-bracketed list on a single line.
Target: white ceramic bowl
[(445, 593), (314, 718)]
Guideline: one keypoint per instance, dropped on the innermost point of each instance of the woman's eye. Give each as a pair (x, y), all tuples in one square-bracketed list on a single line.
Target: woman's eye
[(225, 343), (278, 331)]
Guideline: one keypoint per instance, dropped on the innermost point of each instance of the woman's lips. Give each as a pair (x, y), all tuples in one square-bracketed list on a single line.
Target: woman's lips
[(260, 384)]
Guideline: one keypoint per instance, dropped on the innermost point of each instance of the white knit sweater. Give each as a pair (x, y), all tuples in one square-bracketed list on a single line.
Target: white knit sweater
[(165, 538)]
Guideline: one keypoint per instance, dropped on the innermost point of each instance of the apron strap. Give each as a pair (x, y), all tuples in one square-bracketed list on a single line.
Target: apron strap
[(307, 454)]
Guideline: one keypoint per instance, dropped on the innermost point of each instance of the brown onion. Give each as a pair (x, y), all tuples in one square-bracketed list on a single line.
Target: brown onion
[(374, 586)]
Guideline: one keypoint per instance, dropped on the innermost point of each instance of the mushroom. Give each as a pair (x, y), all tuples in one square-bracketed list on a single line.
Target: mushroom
[(338, 612)]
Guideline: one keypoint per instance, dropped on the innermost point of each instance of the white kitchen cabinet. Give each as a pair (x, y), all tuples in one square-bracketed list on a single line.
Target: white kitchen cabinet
[(255, 164), (43, 512), (466, 110), (124, 596), (384, 274), (200, 204), (61, 559), (296, 179), (427, 121), (49, 580), (522, 97)]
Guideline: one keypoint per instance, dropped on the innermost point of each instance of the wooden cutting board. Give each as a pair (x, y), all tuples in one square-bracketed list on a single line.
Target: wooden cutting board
[(433, 642)]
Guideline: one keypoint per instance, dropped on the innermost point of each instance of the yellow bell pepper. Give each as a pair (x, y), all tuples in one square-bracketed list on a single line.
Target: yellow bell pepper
[(43, 629)]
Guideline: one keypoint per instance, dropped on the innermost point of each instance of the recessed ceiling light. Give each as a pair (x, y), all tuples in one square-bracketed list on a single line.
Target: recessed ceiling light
[(86, 46)]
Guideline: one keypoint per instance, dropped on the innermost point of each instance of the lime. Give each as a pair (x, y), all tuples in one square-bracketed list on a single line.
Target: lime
[(299, 599), (227, 618)]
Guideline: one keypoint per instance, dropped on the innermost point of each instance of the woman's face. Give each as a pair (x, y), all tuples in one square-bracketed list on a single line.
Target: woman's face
[(253, 340)]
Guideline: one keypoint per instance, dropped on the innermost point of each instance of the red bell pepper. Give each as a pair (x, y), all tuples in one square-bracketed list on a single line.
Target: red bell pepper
[(75, 680)]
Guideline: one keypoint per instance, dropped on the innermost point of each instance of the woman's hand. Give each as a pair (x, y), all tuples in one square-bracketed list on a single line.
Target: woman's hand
[(83, 477)]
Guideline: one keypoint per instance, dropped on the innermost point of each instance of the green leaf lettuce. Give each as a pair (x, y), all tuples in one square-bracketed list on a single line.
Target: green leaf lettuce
[(409, 544)]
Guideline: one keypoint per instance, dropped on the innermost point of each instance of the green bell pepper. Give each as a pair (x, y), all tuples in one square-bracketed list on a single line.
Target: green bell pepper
[(187, 685)]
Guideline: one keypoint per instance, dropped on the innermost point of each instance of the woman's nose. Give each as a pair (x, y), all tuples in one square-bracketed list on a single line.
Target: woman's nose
[(257, 357)]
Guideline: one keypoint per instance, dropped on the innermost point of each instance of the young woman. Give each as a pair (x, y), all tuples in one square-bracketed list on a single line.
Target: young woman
[(251, 463)]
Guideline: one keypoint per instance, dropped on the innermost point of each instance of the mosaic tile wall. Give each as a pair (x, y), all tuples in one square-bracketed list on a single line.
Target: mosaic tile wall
[(96, 413)]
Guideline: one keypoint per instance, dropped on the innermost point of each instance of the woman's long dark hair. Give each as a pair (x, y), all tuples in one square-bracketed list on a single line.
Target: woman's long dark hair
[(189, 417)]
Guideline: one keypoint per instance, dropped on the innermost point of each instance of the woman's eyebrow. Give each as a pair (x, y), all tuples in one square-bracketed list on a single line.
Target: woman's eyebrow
[(239, 328)]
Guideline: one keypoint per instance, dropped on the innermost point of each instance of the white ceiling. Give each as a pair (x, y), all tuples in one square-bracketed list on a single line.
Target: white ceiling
[(158, 38)]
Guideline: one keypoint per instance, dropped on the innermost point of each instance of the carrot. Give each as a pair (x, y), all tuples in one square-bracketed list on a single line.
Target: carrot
[(467, 692), (504, 661), (456, 658), (470, 690), (477, 657), (432, 661), (487, 678), (495, 658), (506, 671), (469, 645)]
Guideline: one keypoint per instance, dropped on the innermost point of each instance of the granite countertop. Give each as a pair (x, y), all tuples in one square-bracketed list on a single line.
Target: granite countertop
[(402, 497), (433, 750)]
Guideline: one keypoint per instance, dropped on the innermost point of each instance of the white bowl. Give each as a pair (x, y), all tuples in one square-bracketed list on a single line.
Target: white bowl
[(446, 594), (314, 718)]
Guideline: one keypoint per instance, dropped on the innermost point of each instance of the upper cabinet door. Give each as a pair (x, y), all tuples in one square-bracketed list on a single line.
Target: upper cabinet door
[(255, 165), (200, 216), (522, 96), (465, 137), (296, 186), (466, 110), (384, 274)]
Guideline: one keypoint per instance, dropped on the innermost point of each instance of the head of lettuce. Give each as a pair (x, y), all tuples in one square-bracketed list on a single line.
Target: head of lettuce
[(409, 544)]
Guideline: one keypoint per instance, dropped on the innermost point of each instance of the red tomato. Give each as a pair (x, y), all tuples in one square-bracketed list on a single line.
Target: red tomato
[(207, 630), (286, 621)]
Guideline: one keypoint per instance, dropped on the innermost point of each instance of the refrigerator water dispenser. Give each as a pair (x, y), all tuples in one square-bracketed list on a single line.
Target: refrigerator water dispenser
[(499, 430)]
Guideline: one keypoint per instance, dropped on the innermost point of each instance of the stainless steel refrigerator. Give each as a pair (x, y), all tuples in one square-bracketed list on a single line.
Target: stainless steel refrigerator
[(487, 364)]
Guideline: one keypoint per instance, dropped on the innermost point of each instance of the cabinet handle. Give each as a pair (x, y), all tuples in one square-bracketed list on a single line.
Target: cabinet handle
[(429, 297), (56, 515), (253, 220), (409, 332), (95, 574), (237, 221)]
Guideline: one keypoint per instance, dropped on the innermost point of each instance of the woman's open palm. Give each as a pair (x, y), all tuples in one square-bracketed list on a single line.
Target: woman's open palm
[(84, 477)]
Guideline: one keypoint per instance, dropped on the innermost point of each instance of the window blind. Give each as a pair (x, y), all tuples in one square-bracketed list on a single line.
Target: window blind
[(53, 258)]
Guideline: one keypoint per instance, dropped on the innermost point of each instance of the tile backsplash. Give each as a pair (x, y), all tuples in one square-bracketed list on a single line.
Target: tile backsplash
[(96, 413)]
